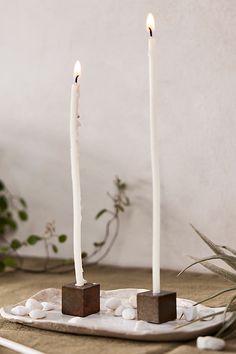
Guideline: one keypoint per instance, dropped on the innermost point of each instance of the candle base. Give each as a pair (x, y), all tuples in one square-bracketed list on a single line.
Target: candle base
[(156, 308), (80, 301)]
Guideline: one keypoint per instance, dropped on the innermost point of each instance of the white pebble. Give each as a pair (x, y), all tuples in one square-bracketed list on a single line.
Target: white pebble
[(36, 314), (190, 313), (76, 320), (48, 306), (32, 304), (133, 301), (210, 343), (19, 311), (129, 314), (112, 303), (119, 310)]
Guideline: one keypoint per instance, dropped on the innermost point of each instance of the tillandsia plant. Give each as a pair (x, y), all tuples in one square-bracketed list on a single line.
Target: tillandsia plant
[(228, 256), (120, 201), (13, 210)]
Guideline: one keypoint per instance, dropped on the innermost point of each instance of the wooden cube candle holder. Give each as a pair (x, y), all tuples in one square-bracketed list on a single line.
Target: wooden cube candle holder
[(81, 301), (156, 308)]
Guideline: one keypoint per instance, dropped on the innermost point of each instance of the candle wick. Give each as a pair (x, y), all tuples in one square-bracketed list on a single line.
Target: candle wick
[(76, 78), (150, 30)]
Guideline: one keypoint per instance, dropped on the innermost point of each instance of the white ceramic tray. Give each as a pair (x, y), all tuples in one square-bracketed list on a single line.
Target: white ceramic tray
[(106, 324)]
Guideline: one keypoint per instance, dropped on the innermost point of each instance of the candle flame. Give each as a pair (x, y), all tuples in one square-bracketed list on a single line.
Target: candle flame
[(150, 23), (77, 70)]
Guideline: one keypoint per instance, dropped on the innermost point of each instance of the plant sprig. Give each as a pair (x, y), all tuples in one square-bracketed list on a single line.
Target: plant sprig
[(120, 201), (13, 210)]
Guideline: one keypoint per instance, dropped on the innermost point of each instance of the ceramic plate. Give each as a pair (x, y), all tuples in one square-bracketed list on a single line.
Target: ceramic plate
[(106, 324)]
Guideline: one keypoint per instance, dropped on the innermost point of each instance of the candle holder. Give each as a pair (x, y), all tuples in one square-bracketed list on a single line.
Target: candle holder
[(81, 301), (156, 308)]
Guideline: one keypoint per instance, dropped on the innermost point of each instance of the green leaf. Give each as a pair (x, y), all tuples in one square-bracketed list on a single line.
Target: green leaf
[(230, 258), (218, 270), (15, 244), (33, 239), (54, 248), (23, 202), (4, 249), (7, 224), (218, 293), (216, 249), (2, 186), (12, 224), (23, 215), (122, 186), (2, 266), (119, 207), (3, 203), (62, 238), (10, 262), (100, 213), (84, 255), (98, 244), (229, 249)]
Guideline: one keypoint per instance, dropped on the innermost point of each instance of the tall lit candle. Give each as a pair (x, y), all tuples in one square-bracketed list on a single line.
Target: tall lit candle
[(75, 172), (154, 138)]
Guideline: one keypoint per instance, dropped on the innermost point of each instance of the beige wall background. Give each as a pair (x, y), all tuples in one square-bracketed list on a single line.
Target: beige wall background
[(196, 44)]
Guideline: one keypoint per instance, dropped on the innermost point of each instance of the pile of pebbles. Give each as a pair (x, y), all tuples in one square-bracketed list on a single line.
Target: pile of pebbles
[(33, 309), (126, 308)]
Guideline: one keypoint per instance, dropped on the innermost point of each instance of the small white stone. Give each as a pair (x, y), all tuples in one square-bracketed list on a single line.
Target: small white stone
[(190, 313), (129, 314), (37, 314), (210, 343), (119, 310), (112, 303), (76, 320), (133, 301), (19, 311), (32, 304), (48, 306)]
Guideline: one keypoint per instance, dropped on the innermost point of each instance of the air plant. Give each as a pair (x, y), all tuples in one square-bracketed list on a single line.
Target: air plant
[(228, 256)]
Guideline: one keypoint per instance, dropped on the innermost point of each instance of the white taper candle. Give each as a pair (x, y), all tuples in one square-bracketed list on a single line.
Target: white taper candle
[(75, 172), (19, 348), (154, 138)]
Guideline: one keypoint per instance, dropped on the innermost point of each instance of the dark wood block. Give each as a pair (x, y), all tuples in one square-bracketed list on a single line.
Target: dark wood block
[(156, 308), (81, 300)]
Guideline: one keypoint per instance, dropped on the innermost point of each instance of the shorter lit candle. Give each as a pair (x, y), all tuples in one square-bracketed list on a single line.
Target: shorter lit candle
[(75, 172)]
